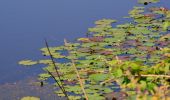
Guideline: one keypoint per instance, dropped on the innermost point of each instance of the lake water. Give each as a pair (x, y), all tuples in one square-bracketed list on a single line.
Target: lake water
[(25, 23)]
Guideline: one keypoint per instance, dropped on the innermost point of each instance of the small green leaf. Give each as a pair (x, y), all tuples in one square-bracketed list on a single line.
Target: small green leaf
[(44, 76), (98, 77), (28, 62), (143, 85), (166, 25), (118, 73), (30, 98)]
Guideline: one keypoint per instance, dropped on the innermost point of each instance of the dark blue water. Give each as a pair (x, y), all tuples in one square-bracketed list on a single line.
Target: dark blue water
[(25, 23)]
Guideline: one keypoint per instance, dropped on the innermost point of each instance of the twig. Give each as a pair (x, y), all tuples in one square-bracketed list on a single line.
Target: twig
[(117, 58), (92, 71), (149, 75), (166, 76), (80, 81), (106, 81), (77, 73), (52, 59), (55, 80)]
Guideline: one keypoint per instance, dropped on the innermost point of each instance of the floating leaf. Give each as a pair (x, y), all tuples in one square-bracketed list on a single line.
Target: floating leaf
[(98, 77), (84, 39), (148, 1), (105, 22), (45, 61), (143, 85), (75, 97), (95, 97), (166, 25), (149, 44), (118, 73), (27, 62), (165, 37), (30, 98), (44, 76)]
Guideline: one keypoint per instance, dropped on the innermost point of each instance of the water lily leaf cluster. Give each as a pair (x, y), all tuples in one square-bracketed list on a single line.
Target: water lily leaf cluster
[(131, 57)]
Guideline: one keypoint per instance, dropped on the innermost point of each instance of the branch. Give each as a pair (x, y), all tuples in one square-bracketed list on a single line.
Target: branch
[(149, 75), (77, 73), (152, 75), (80, 81), (52, 59)]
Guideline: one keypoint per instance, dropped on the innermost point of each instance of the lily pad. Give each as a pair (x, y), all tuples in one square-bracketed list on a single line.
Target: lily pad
[(28, 62), (30, 98), (98, 77)]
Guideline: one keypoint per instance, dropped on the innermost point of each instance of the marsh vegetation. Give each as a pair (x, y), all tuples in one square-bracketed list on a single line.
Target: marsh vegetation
[(130, 61)]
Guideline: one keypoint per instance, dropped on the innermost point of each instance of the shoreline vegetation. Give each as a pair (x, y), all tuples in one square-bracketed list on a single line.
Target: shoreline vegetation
[(128, 62)]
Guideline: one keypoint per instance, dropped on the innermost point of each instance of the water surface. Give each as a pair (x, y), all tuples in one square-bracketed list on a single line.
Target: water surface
[(25, 23)]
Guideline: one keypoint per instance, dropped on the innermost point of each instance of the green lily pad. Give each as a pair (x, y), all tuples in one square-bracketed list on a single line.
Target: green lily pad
[(166, 25), (148, 1), (98, 77), (95, 97), (30, 98), (44, 76), (28, 62), (118, 73)]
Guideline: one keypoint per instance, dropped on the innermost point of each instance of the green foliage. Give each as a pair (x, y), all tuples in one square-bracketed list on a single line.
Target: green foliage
[(166, 24), (118, 73), (135, 55), (98, 77), (27, 62), (44, 76), (30, 98), (149, 1)]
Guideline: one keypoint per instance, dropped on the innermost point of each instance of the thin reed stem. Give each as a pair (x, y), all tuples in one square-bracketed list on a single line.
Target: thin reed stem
[(53, 62), (80, 81), (77, 73), (149, 75)]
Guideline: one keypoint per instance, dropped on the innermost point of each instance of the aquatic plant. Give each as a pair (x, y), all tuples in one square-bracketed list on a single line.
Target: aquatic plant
[(145, 2), (30, 98), (131, 58), (27, 62)]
